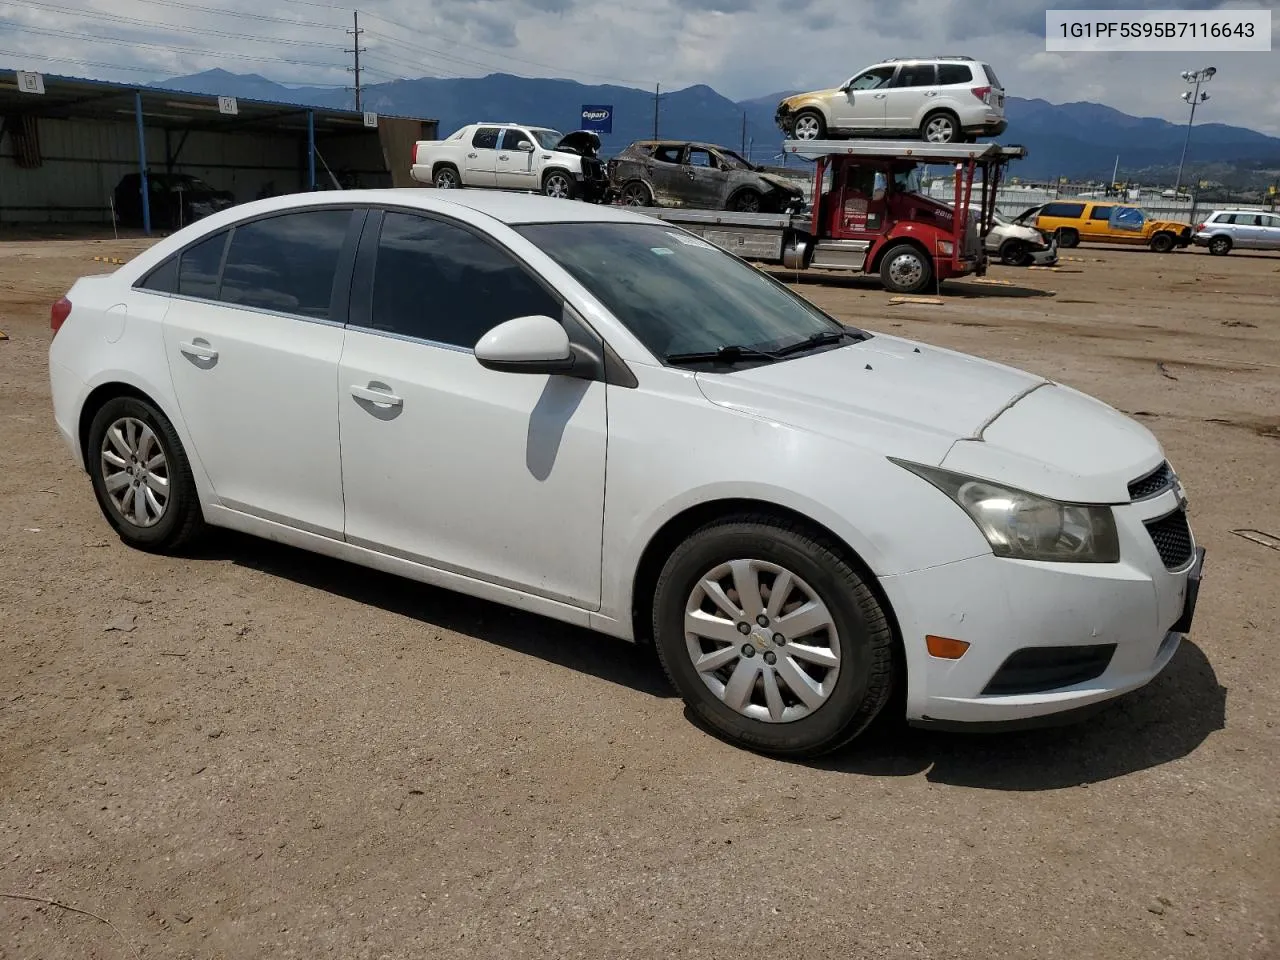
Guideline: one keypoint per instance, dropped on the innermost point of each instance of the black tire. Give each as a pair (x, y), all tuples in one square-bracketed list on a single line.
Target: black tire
[(637, 194), (1013, 252), (1163, 242), (814, 122), (559, 183), (746, 201), (1220, 246), (1068, 238), (900, 276), (181, 520), (941, 126), (446, 177), (865, 640)]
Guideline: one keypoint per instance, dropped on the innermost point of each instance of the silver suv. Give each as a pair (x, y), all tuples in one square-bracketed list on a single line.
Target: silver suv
[(1246, 229), (938, 99)]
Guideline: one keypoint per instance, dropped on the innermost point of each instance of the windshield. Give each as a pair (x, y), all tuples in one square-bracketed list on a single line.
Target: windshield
[(547, 139), (734, 161), (678, 293)]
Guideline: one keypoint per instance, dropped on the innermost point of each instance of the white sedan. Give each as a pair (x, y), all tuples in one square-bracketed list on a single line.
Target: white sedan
[(593, 415)]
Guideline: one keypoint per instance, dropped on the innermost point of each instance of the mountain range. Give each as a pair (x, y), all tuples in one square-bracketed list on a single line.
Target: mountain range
[(1076, 140)]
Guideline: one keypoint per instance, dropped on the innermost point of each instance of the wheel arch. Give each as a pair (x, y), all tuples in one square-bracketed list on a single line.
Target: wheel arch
[(98, 397), (930, 113), (679, 526), (440, 164)]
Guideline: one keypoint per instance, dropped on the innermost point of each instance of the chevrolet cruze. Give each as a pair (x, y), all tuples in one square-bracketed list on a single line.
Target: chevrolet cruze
[(593, 415)]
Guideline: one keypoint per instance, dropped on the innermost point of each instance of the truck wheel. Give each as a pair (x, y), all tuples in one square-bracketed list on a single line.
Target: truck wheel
[(447, 178), (1068, 238), (560, 185), (745, 201), (1220, 246), (905, 269), (637, 194), (1013, 252), (1162, 242), (809, 125), (940, 127)]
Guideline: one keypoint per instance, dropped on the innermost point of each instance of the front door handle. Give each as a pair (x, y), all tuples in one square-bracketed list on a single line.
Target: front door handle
[(376, 396), (199, 349), (503, 156), (879, 96), (471, 155)]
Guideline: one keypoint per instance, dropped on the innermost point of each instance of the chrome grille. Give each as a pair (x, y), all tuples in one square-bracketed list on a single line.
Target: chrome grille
[(1172, 536), (1157, 481)]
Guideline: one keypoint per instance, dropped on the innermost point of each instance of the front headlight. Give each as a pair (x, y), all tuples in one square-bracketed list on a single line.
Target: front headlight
[(1024, 526), (946, 248)]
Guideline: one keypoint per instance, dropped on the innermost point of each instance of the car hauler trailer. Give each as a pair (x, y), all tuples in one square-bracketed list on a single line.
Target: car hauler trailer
[(867, 216)]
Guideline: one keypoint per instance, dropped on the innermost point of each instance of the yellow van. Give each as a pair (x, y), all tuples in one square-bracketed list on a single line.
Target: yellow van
[(1073, 221)]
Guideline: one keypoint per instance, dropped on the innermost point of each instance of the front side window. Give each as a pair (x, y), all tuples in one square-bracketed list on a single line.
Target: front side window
[(699, 158), (285, 263), (677, 293), (547, 139), (1127, 218), (437, 281), (511, 139), (872, 79)]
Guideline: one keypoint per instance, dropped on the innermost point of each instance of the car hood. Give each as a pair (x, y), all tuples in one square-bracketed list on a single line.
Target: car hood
[(1174, 225), (943, 408), (782, 183), (881, 391), (582, 142), (793, 100)]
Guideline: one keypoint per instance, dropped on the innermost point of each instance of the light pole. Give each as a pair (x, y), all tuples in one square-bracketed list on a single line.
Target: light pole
[(1193, 97)]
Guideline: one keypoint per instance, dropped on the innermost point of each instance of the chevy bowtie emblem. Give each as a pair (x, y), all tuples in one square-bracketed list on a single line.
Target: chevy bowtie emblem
[(1180, 493)]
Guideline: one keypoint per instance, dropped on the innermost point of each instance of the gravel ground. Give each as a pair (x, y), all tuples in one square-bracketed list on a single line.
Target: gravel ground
[(253, 751)]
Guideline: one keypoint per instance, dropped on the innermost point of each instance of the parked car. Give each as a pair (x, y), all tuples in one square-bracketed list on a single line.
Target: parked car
[(680, 173), (510, 156), (1225, 230), (939, 99), (803, 517), (176, 199), (1076, 220)]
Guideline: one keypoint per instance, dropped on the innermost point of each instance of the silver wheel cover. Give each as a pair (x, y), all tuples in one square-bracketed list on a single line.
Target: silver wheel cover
[(135, 472)]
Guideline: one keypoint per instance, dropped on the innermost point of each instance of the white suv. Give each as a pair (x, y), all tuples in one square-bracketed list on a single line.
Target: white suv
[(938, 99)]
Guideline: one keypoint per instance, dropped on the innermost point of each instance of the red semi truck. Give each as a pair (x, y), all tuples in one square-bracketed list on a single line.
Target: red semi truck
[(867, 214)]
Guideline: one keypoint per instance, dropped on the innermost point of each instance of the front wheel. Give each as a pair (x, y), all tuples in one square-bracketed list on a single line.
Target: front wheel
[(560, 185), (142, 477), (771, 637), (809, 125), (746, 201), (1013, 252), (905, 269)]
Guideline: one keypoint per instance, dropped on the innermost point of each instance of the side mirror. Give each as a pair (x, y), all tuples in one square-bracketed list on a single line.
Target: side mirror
[(534, 344), (525, 145)]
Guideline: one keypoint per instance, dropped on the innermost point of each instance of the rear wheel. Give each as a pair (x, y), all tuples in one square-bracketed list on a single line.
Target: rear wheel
[(809, 125), (1220, 246), (905, 269), (940, 128), (1068, 238), (560, 185), (1162, 242), (447, 178), (142, 477), (771, 637), (637, 194)]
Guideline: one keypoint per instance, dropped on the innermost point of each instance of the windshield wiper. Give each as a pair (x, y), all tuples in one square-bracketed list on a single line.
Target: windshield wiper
[(727, 354), (820, 339)]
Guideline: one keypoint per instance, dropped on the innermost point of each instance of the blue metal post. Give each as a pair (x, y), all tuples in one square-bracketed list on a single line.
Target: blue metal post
[(142, 163), (311, 149)]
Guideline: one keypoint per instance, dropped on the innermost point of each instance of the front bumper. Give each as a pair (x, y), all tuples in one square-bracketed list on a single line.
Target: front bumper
[(1046, 257), (1134, 612)]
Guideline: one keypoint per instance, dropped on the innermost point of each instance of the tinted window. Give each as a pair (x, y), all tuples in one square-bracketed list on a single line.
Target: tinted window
[(1068, 210), (486, 138), (163, 279), (949, 73), (1100, 213), (286, 263), (198, 267), (991, 76), (437, 281), (511, 139), (872, 79), (915, 75)]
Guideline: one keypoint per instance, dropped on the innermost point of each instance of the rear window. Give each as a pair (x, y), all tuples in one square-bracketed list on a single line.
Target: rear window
[(1069, 210), (991, 76), (951, 73)]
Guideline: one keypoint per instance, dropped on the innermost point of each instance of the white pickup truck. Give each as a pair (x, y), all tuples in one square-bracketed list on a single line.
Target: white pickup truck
[(508, 156)]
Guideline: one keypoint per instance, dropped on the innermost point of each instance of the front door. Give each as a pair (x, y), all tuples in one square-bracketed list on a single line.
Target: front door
[(862, 104), (480, 162), (908, 96), (496, 476), (706, 186), (862, 211), (514, 167), (253, 353)]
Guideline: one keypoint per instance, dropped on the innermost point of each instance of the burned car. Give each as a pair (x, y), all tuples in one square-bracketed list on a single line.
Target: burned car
[(682, 173)]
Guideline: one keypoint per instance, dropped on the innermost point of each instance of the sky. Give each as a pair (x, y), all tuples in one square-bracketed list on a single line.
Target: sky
[(742, 48)]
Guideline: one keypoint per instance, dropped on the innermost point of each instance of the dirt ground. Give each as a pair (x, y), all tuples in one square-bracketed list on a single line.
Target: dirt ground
[(255, 752)]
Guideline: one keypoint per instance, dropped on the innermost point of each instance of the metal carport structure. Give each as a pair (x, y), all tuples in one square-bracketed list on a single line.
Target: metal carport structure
[(66, 142)]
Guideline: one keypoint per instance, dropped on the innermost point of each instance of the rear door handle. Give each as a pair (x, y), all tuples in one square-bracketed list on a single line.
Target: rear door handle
[(199, 349), (376, 396)]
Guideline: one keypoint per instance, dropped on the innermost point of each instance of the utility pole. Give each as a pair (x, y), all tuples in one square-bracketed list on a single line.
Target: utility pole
[(1193, 97), (657, 93), (744, 132), (357, 50)]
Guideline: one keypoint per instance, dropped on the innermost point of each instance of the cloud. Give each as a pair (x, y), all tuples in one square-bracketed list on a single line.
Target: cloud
[(742, 48)]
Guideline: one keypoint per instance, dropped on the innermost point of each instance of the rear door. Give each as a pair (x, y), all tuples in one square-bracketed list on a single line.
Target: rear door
[(253, 337), (1097, 222), (480, 162), (666, 173), (909, 95)]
